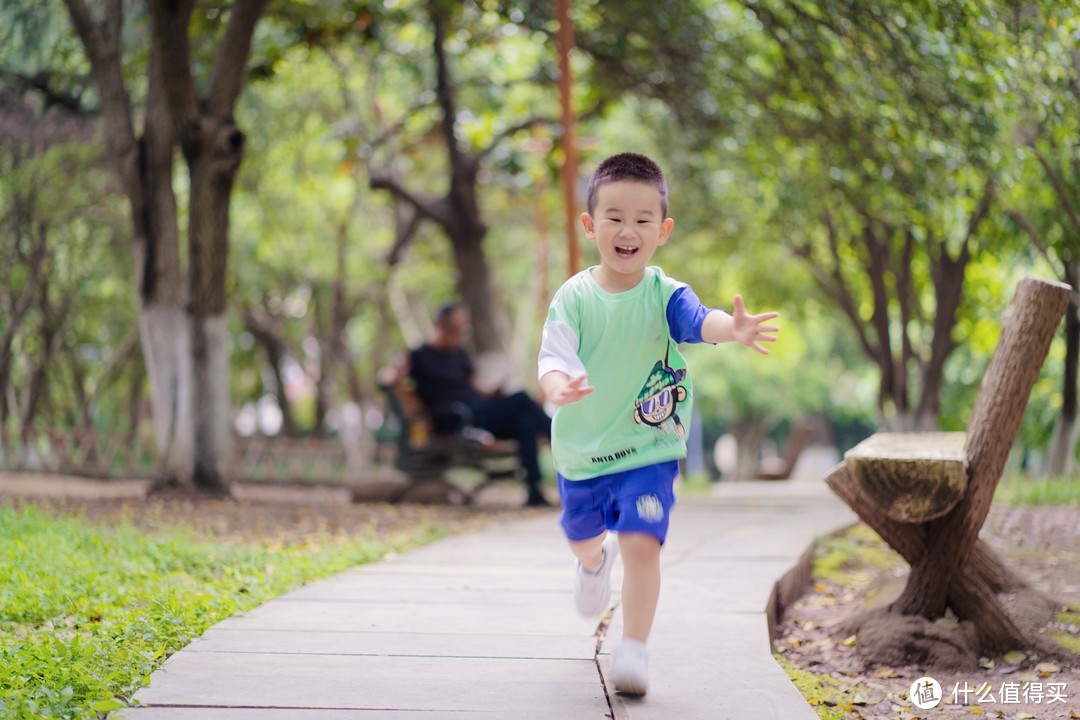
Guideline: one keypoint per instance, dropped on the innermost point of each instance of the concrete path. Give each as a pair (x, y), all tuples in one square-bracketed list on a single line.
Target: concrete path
[(483, 626)]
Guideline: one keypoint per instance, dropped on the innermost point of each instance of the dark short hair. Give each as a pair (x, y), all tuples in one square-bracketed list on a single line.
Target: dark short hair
[(446, 310), (628, 166)]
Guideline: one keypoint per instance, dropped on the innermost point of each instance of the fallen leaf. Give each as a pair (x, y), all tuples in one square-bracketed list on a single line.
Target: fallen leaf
[(859, 699), (883, 673), (1046, 669), (1014, 658), (848, 641), (1026, 716), (986, 664), (976, 710)]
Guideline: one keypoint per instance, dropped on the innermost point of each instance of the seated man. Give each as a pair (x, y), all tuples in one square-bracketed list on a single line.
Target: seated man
[(443, 373)]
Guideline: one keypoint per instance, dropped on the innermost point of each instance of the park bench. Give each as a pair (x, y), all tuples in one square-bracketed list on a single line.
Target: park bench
[(928, 494), (427, 458)]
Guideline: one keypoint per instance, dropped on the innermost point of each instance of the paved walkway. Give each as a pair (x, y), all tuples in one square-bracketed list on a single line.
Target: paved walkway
[(483, 626)]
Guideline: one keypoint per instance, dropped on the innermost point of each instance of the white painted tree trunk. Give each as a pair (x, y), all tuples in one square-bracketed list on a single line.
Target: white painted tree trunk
[(166, 342), (213, 425)]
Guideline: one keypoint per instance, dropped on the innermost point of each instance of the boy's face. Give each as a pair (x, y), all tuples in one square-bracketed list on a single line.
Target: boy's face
[(627, 226)]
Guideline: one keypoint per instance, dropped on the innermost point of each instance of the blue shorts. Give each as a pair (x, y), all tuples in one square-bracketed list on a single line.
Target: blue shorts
[(632, 501)]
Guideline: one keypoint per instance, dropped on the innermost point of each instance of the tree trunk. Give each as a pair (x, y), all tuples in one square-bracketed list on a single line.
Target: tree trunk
[(213, 151), (166, 344), (1062, 455), (213, 147), (267, 334), (144, 166), (750, 434), (474, 287)]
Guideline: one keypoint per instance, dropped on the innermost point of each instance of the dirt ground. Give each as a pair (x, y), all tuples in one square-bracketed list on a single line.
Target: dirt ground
[(260, 513), (1041, 543)]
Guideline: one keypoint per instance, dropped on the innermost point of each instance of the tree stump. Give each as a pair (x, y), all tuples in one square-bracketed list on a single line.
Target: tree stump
[(927, 495), (911, 477)]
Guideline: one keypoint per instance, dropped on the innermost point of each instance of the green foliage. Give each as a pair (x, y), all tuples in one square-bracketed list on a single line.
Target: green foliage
[(764, 115), (87, 613), (1019, 490)]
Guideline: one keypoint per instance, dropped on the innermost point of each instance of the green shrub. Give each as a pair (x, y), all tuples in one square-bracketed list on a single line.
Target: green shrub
[(1017, 490)]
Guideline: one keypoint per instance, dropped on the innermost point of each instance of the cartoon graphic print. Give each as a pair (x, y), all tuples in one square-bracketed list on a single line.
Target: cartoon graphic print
[(658, 399)]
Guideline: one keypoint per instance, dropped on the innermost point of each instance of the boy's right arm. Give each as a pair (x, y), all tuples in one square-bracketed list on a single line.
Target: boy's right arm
[(559, 369), (561, 390)]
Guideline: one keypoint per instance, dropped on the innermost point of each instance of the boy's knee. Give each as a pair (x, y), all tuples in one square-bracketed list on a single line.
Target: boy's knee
[(640, 546)]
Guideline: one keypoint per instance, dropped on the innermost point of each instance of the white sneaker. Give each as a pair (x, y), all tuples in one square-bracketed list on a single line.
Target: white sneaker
[(630, 667), (592, 590)]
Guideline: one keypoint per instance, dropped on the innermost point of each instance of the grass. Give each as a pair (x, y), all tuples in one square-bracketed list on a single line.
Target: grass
[(843, 558), (88, 612), (823, 692), (1069, 637), (1018, 490)]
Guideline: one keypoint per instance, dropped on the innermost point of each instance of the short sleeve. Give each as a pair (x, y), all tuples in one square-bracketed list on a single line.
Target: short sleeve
[(560, 340), (685, 315)]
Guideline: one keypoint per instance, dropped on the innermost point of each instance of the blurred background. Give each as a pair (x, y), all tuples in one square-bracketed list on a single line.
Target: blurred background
[(221, 221)]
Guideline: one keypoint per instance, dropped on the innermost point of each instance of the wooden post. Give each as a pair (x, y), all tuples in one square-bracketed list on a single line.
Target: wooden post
[(568, 174)]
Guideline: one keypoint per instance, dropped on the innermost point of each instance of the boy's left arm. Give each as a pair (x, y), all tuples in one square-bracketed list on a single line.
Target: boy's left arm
[(740, 327)]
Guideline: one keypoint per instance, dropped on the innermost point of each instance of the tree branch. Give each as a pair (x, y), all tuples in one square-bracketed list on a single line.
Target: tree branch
[(1020, 219), (429, 206), (1059, 187), (406, 222), (514, 130), (123, 352), (228, 77), (444, 88)]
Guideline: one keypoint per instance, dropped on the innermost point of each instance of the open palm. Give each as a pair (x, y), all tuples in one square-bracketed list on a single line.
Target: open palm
[(748, 329)]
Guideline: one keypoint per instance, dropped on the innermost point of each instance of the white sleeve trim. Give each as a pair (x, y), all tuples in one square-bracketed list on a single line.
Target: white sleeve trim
[(558, 351)]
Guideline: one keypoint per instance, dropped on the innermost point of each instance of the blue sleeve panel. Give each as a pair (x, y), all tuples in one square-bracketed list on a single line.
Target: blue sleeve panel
[(685, 315)]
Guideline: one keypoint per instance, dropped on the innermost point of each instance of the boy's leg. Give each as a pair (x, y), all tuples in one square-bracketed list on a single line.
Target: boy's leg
[(645, 499), (584, 522), (589, 552), (641, 583)]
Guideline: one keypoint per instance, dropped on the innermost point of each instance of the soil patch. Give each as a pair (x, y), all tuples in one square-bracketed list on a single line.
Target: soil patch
[(260, 513), (1042, 544)]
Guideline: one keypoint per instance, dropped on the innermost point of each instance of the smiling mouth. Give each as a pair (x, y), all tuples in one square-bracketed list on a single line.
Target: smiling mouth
[(625, 252)]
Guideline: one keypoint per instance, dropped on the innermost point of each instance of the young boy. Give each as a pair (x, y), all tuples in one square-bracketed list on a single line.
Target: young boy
[(616, 444)]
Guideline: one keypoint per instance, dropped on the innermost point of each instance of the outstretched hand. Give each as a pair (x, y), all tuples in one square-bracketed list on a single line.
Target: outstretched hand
[(571, 392), (748, 329)]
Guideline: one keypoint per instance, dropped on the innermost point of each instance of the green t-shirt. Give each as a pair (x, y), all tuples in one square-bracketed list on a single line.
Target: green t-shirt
[(639, 411)]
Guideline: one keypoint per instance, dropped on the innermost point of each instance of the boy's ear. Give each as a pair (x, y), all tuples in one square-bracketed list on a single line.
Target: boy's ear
[(590, 227), (665, 229)]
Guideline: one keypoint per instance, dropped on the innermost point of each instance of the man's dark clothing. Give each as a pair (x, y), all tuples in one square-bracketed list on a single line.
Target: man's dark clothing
[(444, 383), (443, 377)]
